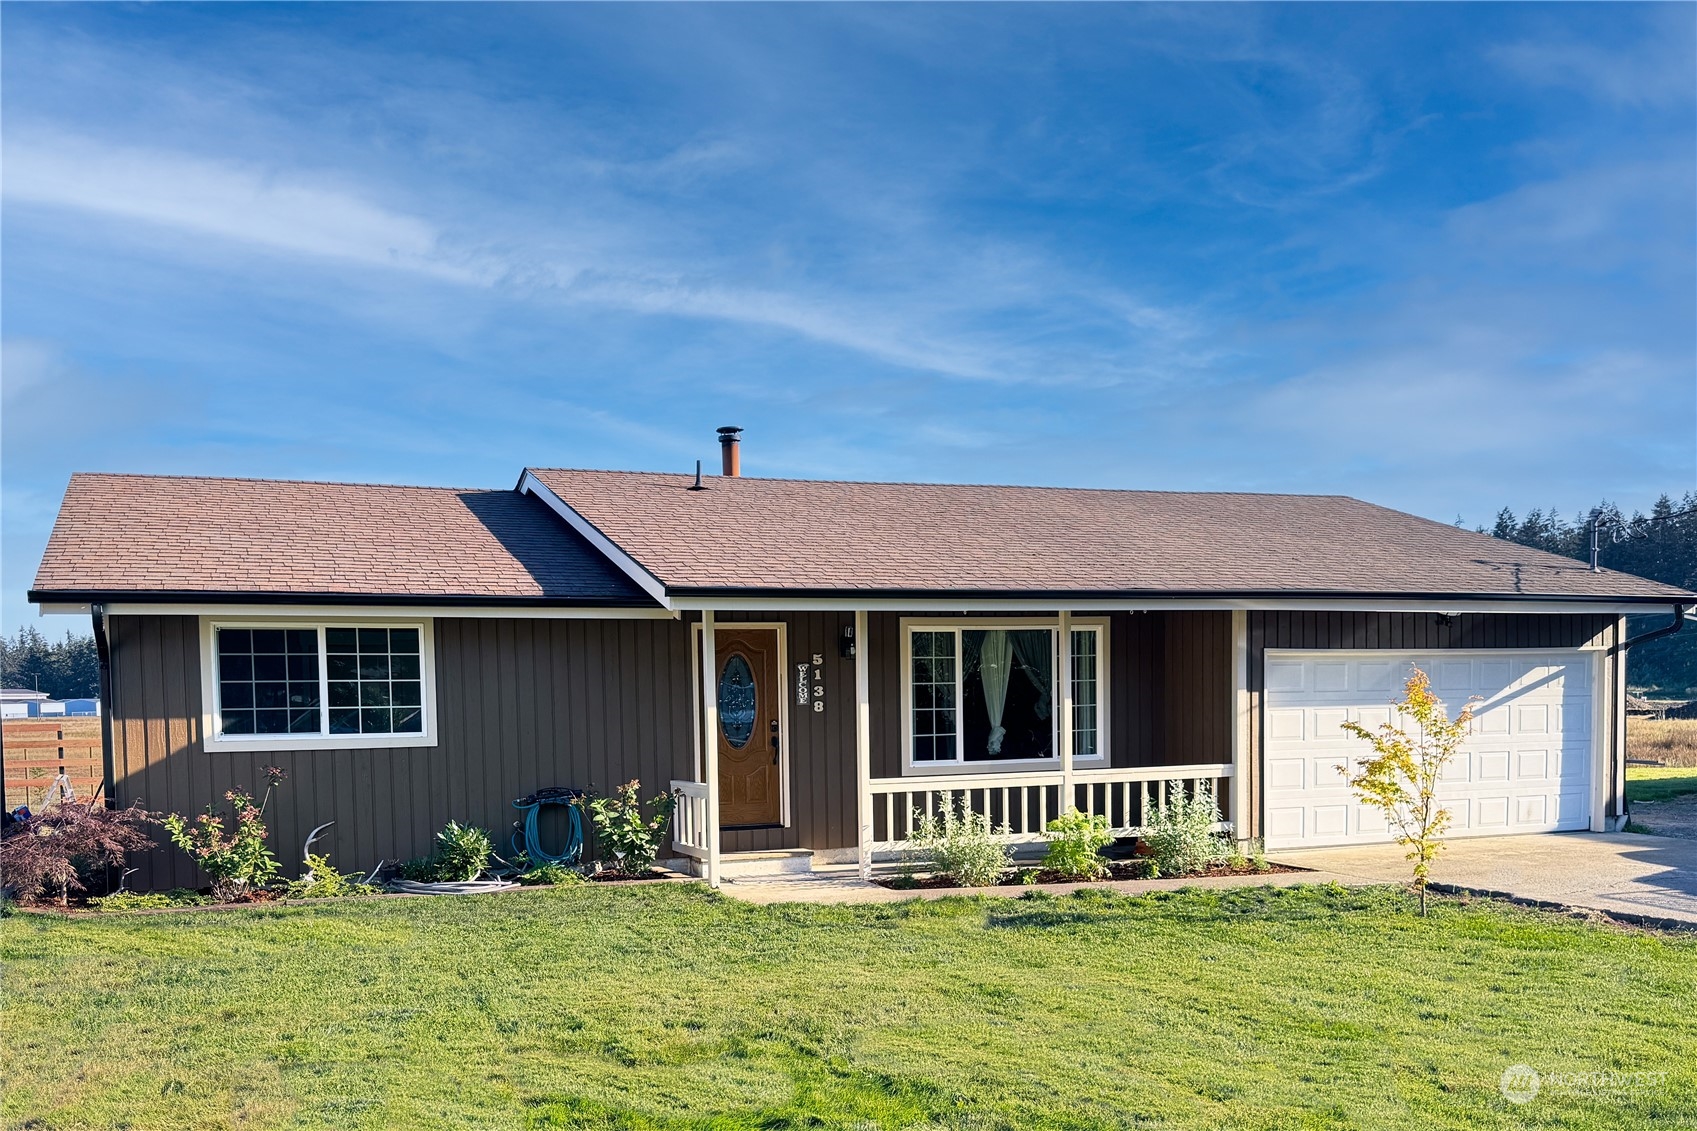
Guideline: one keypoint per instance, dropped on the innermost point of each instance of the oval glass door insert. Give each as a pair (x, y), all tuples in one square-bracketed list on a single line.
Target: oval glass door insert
[(736, 701)]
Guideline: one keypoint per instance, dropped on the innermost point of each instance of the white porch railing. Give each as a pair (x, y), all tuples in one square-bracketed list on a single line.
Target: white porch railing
[(689, 819), (1026, 802)]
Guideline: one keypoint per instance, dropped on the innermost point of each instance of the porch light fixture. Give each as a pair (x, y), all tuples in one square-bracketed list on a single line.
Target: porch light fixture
[(846, 644)]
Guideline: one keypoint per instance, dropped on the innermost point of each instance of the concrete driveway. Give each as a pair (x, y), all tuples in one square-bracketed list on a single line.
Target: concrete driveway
[(1618, 873)]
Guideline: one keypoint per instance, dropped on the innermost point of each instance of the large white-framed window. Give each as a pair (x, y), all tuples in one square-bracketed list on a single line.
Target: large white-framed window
[(984, 694), (341, 683)]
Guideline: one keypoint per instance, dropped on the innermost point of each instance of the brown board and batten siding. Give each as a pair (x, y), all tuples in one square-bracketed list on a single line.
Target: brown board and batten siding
[(528, 703), (522, 704), (1408, 632)]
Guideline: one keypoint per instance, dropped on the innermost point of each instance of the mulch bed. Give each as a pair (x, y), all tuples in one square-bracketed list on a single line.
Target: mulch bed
[(609, 876), (1117, 870)]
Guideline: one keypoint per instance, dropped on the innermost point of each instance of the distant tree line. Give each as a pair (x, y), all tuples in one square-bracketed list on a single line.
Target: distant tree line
[(1661, 546), (66, 669)]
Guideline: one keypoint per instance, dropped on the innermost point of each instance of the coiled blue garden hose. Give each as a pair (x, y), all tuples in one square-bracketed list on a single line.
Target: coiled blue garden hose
[(525, 837)]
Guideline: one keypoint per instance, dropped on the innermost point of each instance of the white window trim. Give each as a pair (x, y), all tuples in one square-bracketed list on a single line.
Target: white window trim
[(211, 721), (910, 625)]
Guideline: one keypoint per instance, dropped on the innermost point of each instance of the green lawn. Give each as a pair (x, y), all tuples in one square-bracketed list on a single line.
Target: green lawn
[(668, 1007), (1658, 783)]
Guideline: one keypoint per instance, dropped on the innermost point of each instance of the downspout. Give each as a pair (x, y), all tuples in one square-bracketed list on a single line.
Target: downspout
[(1653, 634), (103, 651)]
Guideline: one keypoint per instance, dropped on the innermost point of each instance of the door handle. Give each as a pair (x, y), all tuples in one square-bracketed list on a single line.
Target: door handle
[(774, 730)]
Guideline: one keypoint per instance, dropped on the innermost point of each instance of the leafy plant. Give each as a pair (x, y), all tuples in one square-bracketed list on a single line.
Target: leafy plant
[(462, 853), (1181, 837), (550, 873), (238, 862), (960, 843), (1076, 841), (325, 881), (55, 852), (1401, 778), (148, 900), (624, 830)]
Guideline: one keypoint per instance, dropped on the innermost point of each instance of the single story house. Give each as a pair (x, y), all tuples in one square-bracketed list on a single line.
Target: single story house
[(807, 663)]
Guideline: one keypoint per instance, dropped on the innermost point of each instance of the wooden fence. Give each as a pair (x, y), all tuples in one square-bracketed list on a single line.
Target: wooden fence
[(39, 750)]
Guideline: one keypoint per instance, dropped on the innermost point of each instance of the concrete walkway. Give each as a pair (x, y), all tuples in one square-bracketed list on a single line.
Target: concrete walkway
[(842, 884), (1647, 877)]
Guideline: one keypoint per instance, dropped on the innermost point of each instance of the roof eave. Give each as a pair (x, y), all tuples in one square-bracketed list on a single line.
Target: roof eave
[(226, 596), (705, 592)]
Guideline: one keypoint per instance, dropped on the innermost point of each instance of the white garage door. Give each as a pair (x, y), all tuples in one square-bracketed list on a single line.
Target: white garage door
[(1526, 768)]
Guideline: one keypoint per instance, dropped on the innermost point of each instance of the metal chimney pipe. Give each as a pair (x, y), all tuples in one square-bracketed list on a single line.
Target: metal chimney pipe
[(730, 448)]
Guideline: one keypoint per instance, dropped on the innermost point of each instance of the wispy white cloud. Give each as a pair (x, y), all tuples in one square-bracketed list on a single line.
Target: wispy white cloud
[(326, 218), (222, 200), (1655, 69)]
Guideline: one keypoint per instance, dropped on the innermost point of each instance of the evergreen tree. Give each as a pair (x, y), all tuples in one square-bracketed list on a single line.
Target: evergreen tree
[(1661, 546), (69, 669)]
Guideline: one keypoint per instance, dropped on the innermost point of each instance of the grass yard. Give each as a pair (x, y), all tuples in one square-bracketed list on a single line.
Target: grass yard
[(1658, 783), (668, 1007)]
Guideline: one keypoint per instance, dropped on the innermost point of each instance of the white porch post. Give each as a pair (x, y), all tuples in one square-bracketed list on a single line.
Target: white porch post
[(1243, 737), (863, 744), (710, 742), (1069, 799)]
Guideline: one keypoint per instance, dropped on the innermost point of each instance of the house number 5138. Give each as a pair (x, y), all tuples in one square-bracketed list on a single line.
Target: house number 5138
[(818, 683)]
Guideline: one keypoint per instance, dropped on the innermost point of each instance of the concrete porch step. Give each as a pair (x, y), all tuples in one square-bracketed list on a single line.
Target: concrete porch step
[(777, 862)]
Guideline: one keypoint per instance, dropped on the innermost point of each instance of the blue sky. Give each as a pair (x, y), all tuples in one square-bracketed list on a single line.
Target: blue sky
[(1438, 256)]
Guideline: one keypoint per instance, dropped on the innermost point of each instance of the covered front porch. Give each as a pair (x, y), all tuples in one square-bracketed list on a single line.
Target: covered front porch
[(900, 747)]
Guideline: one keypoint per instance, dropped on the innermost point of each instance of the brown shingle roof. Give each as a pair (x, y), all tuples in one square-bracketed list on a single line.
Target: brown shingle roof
[(138, 534), (802, 535)]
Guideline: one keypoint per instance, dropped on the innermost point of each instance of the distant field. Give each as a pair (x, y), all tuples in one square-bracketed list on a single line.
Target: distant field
[(1672, 742)]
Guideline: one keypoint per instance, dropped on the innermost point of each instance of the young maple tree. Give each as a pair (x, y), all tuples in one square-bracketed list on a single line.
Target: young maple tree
[(1401, 777)]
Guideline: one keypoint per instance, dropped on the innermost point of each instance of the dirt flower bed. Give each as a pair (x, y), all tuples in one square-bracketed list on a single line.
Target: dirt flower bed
[(1117, 870)]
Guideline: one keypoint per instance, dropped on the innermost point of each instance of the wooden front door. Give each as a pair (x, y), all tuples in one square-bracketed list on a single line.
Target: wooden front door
[(750, 738)]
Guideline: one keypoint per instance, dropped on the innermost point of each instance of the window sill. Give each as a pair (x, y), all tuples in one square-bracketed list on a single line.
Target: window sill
[(1001, 766), (277, 742)]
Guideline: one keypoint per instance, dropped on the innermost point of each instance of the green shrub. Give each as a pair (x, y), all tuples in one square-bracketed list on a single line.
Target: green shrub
[(1076, 841), (148, 900), (462, 854), (324, 881), (550, 873), (624, 832), (1182, 839), (960, 844), (420, 869), (238, 862)]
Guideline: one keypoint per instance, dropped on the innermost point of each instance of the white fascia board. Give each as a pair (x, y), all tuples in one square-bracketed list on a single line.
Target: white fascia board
[(686, 603), (627, 564), (389, 612), (47, 609)]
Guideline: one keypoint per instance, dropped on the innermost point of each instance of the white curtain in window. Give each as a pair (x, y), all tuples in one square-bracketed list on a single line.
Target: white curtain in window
[(1035, 649), (995, 665)]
